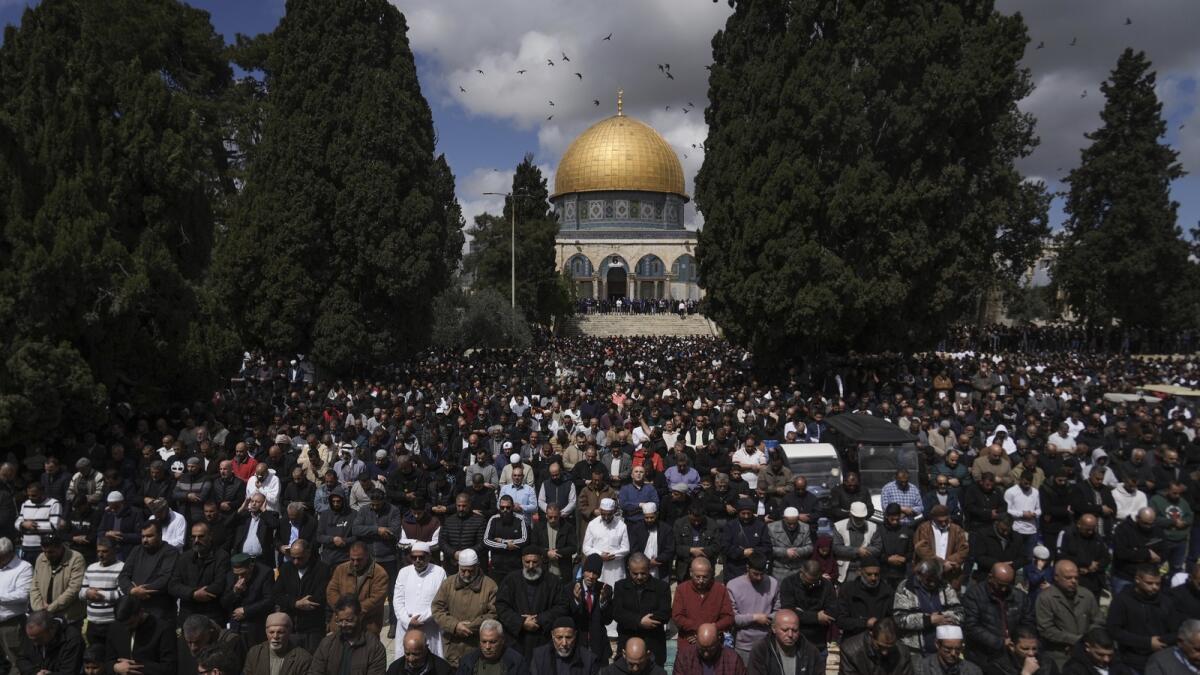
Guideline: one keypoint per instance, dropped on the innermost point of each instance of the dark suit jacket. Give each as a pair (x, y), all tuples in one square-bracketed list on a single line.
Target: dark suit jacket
[(631, 602), (63, 656), (952, 503), (567, 544), (153, 646), (582, 661), (513, 601), (257, 601), (639, 536), (290, 587), (308, 531), (268, 523)]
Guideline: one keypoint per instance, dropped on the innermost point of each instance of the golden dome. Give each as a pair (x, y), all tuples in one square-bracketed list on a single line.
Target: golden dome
[(619, 153)]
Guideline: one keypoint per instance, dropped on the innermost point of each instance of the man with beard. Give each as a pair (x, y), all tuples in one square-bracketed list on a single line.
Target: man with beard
[(589, 605), (200, 633), (300, 489), (192, 490), (854, 539), (811, 595), (942, 494), (419, 525), (1084, 547), (462, 604), (755, 598), (366, 580), (845, 494), (992, 612), (416, 586), (350, 647), (564, 654), (1093, 497), (1137, 541), (864, 600), (460, 531), (805, 502), (137, 643), (995, 545), (228, 490), (596, 491), (655, 540), (379, 526), (608, 536), (198, 580), (744, 536), (876, 651), (529, 601), (335, 529), (57, 578), (1055, 498), (278, 655), (148, 571), (696, 536), (676, 505), (1065, 612), (1095, 654), (982, 504), (791, 544), (896, 546), (504, 536), (720, 502), (417, 659), (900, 491), (636, 493), (247, 599), (953, 468), (1140, 618), (922, 604), (707, 654), (557, 538), (947, 658), (254, 529), (1024, 507), (300, 591), (299, 525), (493, 657), (559, 491), (941, 540), (642, 607)]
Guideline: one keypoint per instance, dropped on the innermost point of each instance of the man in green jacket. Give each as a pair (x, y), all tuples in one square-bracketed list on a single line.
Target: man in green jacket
[(349, 650)]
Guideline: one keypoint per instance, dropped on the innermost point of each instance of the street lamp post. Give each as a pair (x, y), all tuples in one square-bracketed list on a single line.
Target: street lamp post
[(512, 244)]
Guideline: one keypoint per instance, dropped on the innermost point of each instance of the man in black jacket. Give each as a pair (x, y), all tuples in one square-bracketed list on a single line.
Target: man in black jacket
[(1138, 540), (136, 638), (1140, 619), (1055, 499), (812, 597), (564, 654), (560, 553), (695, 535), (254, 530), (248, 597), (992, 612), (1084, 547), (982, 504), (1094, 497), (589, 604), (335, 529), (655, 539), (529, 601), (303, 597), (996, 545), (462, 530), (505, 536), (50, 645), (743, 537), (863, 600), (198, 580), (147, 573), (642, 607), (896, 547)]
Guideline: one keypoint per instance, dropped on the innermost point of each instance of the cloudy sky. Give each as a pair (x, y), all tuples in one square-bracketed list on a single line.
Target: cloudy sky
[(486, 122)]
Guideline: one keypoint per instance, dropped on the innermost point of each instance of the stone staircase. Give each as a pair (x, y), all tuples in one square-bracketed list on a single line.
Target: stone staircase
[(618, 325)]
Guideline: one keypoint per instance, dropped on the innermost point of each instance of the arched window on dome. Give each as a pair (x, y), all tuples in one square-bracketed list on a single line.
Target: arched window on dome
[(580, 266), (685, 269), (651, 266)]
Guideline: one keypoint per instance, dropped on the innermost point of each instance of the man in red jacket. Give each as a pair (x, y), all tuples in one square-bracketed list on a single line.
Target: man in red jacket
[(702, 600)]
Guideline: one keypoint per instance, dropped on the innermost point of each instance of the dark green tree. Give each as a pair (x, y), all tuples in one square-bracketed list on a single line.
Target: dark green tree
[(113, 169), (858, 187), (347, 226), (1122, 256), (540, 296)]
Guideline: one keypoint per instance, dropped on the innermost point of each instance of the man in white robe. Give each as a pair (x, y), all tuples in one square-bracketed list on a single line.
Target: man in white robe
[(416, 585), (608, 537)]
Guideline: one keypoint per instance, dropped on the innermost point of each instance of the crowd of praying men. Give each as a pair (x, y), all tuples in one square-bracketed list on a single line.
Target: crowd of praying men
[(617, 506)]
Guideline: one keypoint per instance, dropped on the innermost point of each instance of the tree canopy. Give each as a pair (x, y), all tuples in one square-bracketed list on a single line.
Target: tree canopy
[(113, 171), (858, 188), (1122, 256), (347, 226)]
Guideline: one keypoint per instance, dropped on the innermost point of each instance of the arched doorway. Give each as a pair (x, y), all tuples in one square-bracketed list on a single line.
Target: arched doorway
[(580, 269), (615, 281), (651, 278)]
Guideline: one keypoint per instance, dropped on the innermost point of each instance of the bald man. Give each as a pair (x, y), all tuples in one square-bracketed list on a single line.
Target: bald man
[(786, 647), (1084, 546), (636, 659), (1065, 612), (418, 660), (708, 654), (992, 612), (278, 646)]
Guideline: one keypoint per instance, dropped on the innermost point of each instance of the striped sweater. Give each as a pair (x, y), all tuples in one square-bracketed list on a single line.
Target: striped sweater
[(103, 579), (46, 516)]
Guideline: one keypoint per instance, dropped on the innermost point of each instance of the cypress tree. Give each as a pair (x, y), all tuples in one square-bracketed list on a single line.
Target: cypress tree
[(858, 187), (113, 170), (1122, 257), (346, 229)]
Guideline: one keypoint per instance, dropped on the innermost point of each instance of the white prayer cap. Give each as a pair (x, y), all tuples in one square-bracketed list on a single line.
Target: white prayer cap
[(507, 444), (858, 510), (114, 497), (649, 507), (514, 458), (947, 632), (468, 558), (791, 512), (421, 546), (607, 504)]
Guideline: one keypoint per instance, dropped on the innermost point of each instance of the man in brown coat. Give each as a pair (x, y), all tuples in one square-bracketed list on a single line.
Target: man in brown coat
[(362, 577), (279, 643), (588, 504), (461, 604), (940, 539)]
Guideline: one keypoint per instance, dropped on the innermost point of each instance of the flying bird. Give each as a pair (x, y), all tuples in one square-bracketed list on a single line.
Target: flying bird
[(685, 155), (549, 62), (691, 105), (686, 111), (596, 101), (607, 37), (1128, 21), (1074, 40), (549, 117), (693, 146), (667, 65), (660, 68), (579, 75), (551, 102), (479, 71), (565, 57), (670, 76), (668, 107), (1181, 126), (520, 72), (1042, 44), (460, 88)]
